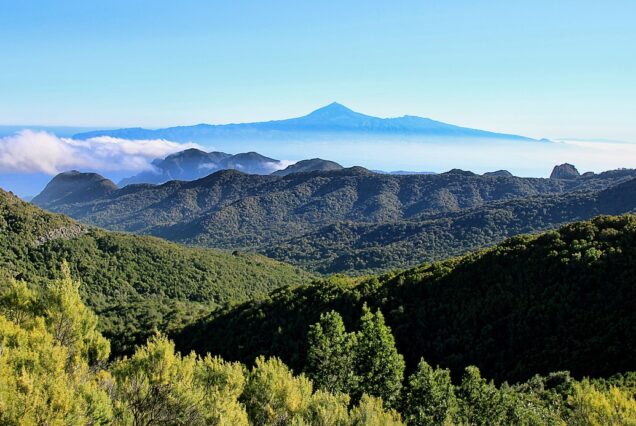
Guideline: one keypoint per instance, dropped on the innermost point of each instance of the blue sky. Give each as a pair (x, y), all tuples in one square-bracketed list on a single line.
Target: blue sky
[(551, 69)]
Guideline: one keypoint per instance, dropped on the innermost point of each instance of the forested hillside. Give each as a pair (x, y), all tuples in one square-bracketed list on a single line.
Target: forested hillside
[(298, 217), (358, 248), (563, 300), (54, 371), (135, 284)]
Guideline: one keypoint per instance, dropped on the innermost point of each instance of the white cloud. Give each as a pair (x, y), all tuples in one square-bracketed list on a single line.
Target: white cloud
[(282, 164), (41, 152)]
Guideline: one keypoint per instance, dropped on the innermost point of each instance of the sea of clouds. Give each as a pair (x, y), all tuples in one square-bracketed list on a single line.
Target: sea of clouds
[(30, 151), (28, 158)]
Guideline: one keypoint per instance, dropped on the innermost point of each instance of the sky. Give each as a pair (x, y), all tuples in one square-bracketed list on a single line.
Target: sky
[(555, 69), (562, 70)]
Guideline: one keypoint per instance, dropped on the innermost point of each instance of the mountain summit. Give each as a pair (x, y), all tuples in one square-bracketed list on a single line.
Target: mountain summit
[(330, 120)]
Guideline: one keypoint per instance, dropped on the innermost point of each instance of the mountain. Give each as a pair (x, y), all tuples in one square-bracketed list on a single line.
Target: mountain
[(331, 119), (252, 163), (358, 248), (135, 284), (562, 300), (193, 164), (565, 171), (403, 172), (313, 165), (73, 187), (287, 215), (500, 173)]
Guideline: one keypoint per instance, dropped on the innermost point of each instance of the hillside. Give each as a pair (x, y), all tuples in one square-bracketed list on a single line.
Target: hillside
[(74, 187), (193, 164), (312, 165), (328, 120), (136, 284), (229, 209), (358, 248), (562, 300)]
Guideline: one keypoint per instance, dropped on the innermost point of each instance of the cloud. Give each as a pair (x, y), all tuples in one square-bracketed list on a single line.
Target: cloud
[(280, 165), (31, 151)]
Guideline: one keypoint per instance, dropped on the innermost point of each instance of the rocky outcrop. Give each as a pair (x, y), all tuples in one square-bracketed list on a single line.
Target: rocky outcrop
[(565, 171)]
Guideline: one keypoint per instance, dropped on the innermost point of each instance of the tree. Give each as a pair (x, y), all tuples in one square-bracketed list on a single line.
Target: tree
[(44, 379), (370, 412), (327, 409), (590, 406), (222, 384), (380, 368), (480, 402), (330, 357), (73, 324), (430, 397), (273, 396)]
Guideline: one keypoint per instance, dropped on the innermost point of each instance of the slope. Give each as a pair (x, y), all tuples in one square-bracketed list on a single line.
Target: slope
[(229, 209), (358, 248), (562, 300), (136, 284)]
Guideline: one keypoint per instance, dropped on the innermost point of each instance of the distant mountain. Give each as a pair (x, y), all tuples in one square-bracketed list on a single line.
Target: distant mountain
[(504, 173), (403, 172), (193, 164), (361, 248), (74, 187), (333, 118), (313, 165), (233, 210)]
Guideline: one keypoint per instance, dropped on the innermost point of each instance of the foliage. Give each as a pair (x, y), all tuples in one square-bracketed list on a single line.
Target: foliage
[(562, 300), (332, 355), (380, 368), (358, 248), (352, 220), (365, 362), (49, 379), (429, 397), (157, 385), (593, 407), (274, 396), (370, 412), (47, 346), (135, 284)]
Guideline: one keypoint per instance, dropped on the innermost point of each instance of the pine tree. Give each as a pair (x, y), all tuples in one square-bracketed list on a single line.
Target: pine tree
[(480, 402), (330, 362), (379, 366), (430, 397)]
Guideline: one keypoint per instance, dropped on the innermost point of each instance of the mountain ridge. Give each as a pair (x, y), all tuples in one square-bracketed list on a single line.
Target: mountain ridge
[(333, 118), (233, 210), (134, 283)]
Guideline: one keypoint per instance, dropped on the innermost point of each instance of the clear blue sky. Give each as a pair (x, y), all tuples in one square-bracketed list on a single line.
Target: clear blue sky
[(538, 68)]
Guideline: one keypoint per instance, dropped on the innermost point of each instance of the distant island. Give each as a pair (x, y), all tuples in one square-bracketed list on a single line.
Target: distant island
[(333, 119)]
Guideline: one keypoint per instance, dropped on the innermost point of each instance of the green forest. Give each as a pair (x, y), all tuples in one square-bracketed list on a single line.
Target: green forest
[(533, 304), (55, 370), (349, 221), (135, 284), (108, 328)]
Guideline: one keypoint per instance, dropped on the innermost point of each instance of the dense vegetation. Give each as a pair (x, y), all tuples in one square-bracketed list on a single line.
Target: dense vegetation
[(135, 284), (342, 220), (357, 248), (563, 300), (54, 371)]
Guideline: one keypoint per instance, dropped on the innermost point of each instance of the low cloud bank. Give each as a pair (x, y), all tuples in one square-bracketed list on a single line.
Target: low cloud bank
[(31, 151), (40, 152)]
